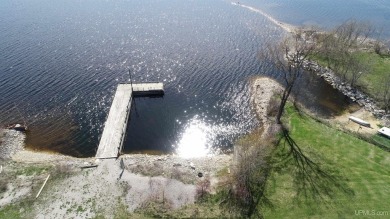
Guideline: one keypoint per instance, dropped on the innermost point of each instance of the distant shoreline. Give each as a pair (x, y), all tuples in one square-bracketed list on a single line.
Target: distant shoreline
[(287, 27)]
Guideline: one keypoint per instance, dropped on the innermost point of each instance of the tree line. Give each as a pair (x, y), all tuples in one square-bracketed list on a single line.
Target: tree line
[(340, 49)]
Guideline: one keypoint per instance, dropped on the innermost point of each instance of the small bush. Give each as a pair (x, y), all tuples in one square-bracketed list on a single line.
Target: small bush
[(203, 188), (62, 170), (3, 185), (273, 106)]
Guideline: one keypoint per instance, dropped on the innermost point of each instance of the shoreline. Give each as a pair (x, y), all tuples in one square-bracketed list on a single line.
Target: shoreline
[(356, 95), (329, 76), (285, 26), (133, 183), (367, 103), (263, 88)]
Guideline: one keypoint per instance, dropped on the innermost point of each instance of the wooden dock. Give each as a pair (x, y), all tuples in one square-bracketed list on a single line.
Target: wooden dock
[(147, 89), (114, 132)]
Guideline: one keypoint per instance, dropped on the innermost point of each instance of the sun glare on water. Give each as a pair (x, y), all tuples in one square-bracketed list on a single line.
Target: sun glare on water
[(196, 140)]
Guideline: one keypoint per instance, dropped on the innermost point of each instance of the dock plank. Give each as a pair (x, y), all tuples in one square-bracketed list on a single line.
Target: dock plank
[(115, 126), (148, 89)]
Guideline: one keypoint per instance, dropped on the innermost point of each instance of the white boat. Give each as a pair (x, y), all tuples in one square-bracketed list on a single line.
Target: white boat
[(359, 121), (385, 131)]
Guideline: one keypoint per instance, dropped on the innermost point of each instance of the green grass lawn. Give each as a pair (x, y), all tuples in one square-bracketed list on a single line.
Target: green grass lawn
[(382, 141), (373, 81), (361, 172)]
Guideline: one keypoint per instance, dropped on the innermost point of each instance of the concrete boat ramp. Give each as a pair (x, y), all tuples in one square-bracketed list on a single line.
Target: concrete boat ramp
[(114, 132)]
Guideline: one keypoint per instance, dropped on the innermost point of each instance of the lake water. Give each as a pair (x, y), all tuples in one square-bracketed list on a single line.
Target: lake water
[(61, 61), (328, 13)]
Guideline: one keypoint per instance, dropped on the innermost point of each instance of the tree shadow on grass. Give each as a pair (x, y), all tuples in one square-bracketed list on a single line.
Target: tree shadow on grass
[(314, 184), (321, 183)]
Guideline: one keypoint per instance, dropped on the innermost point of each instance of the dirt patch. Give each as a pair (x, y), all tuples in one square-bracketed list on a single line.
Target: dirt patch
[(343, 122)]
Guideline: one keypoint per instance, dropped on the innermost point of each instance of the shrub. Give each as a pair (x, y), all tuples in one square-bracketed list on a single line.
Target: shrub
[(3, 185)]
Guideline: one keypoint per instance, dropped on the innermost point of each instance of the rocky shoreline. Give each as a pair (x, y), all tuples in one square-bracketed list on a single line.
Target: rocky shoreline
[(354, 94), (263, 89)]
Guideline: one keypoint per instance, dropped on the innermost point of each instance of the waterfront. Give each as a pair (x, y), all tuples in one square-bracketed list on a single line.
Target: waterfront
[(61, 62)]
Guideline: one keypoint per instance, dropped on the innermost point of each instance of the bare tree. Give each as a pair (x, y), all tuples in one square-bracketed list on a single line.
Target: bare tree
[(351, 68), (386, 93), (352, 34), (340, 46), (289, 57), (358, 68), (326, 42)]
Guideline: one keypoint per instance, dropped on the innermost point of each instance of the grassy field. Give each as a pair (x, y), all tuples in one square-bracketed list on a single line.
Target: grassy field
[(373, 81), (329, 174), (382, 141)]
